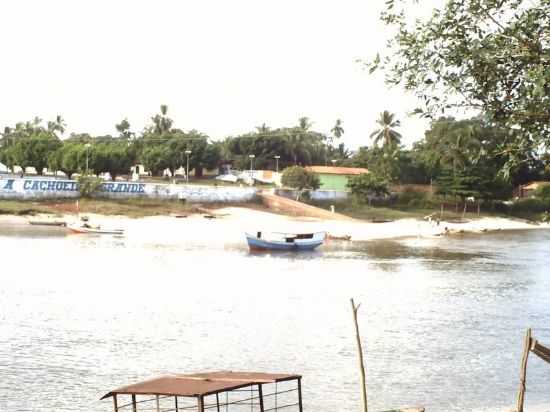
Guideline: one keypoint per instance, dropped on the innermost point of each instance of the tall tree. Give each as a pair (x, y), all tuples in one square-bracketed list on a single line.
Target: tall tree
[(123, 128), (386, 132), (337, 130), (483, 55)]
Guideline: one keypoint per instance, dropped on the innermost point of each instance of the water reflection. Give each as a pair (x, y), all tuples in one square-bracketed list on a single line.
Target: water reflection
[(442, 319)]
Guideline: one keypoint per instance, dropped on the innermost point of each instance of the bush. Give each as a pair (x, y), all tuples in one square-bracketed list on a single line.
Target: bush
[(298, 178), (530, 206), (409, 195), (543, 192), (367, 185), (88, 185)]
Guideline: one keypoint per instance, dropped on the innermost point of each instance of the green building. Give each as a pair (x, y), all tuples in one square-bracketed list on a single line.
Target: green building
[(335, 178)]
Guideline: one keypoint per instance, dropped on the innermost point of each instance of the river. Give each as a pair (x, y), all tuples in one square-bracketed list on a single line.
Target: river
[(443, 320)]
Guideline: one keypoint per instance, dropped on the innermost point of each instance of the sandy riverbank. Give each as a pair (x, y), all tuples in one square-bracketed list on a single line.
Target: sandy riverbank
[(230, 223)]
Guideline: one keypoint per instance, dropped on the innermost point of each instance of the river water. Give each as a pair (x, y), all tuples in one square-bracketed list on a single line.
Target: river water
[(443, 320)]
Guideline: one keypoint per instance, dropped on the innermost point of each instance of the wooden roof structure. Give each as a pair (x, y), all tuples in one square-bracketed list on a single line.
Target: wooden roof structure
[(201, 385)]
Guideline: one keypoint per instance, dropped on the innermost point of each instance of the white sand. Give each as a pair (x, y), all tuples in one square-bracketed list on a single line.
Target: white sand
[(232, 222)]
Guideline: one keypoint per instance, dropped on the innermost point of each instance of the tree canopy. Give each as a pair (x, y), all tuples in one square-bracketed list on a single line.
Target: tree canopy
[(481, 55)]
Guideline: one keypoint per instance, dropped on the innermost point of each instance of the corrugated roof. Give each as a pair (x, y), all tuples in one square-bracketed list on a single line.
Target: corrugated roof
[(337, 170), (199, 384)]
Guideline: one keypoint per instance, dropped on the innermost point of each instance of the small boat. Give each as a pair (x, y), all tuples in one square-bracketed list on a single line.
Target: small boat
[(285, 241), (94, 230), (47, 222)]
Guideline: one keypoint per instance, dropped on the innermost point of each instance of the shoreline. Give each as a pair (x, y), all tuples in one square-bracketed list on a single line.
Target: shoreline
[(229, 224)]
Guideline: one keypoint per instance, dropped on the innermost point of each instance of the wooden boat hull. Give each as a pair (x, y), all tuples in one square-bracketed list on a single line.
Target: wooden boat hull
[(86, 230), (46, 223), (255, 243)]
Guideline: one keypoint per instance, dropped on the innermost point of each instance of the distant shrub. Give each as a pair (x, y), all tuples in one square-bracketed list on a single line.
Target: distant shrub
[(88, 185), (367, 185), (529, 205), (408, 195), (543, 192)]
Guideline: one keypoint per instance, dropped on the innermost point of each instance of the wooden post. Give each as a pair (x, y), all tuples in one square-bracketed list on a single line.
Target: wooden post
[(300, 408), (360, 351), (115, 403), (134, 405), (261, 396), (176, 403), (200, 404), (523, 371), (158, 403)]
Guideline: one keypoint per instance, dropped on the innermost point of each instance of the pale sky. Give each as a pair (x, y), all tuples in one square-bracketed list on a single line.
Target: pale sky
[(222, 67)]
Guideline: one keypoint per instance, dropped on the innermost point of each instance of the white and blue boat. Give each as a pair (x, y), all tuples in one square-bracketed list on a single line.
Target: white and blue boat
[(285, 241)]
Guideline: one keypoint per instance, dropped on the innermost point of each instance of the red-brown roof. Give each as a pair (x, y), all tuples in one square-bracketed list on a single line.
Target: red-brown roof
[(337, 170), (199, 384)]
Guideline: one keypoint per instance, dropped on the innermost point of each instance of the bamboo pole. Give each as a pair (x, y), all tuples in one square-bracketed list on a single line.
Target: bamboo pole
[(523, 371), (360, 352)]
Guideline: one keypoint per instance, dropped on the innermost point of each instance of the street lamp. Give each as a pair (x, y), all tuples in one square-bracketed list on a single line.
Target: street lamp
[(87, 146), (187, 152), (277, 163), (251, 163)]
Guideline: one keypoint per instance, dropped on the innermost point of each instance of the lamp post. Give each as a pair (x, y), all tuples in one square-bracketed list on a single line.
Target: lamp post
[(187, 152), (277, 163), (87, 146), (251, 163)]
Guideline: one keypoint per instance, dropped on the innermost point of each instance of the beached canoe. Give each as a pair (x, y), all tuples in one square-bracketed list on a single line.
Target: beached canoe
[(47, 222), (285, 241), (94, 230)]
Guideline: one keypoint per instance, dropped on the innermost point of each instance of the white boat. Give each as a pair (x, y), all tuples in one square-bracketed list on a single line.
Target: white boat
[(94, 230)]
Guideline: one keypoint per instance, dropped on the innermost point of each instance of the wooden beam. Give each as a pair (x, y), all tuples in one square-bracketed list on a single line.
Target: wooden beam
[(300, 408), (360, 352), (217, 402), (134, 404), (540, 350), (115, 402), (523, 371), (200, 403), (157, 403), (176, 402), (261, 396)]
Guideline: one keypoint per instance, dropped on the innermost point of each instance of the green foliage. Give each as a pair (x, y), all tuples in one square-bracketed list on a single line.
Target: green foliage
[(530, 205), (89, 185), (368, 184), (380, 161), (543, 192), (112, 157), (479, 55), (386, 132), (297, 177)]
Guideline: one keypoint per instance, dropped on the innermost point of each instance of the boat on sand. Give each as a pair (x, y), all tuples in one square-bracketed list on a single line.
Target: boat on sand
[(285, 241), (89, 229)]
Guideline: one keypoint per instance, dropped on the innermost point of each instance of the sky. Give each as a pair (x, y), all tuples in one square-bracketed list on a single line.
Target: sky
[(222, 67)]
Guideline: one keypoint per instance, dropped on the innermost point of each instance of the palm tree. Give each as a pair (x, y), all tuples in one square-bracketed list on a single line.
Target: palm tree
[(337, 130), (386, 132), (58, 125), (304, 123), (161, 122), (123, 128)]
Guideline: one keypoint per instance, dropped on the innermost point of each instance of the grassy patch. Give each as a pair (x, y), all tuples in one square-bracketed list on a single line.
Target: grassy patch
[(20, 208), (366, 212), (134, 208)]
